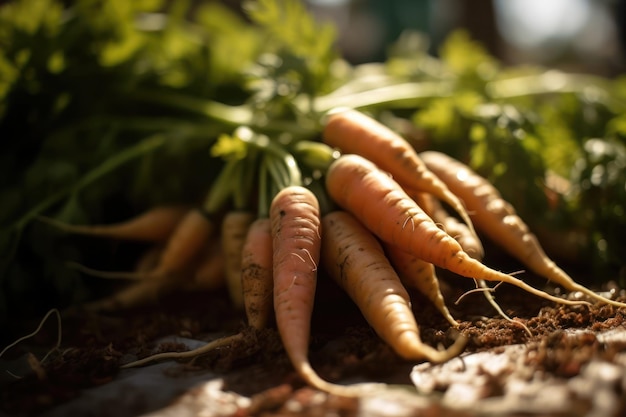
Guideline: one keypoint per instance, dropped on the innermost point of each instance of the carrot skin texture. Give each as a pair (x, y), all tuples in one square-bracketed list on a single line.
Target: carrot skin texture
[(154, 225), (356, 261), (205, 272), (470, 243), (296, 241), (185, 244), (256, 273), (208, 274), (235, 227), (180, 252), (498, 220), (356, 133), (421, 275), (374, 198), (135, 295), (295, 225)]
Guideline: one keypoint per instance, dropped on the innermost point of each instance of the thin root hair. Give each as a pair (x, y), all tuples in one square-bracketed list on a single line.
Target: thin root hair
[(304, 260), (37, 330), (407, 220)]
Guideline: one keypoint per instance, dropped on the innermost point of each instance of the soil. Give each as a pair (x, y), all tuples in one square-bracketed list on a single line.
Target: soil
[(573, 351)]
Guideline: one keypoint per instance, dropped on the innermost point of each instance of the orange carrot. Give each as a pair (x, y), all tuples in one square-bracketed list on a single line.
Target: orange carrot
[(135, 295), (452, 226), (154, 225), (295, 226), (470, 244), (354, 132), (256, 273), (296, 241), (185, 243), (379, 202), (205, 272), (498, 220), (208, 274), (149, 259), (356, 261), (183, 247), (235, 227), (421, 275)]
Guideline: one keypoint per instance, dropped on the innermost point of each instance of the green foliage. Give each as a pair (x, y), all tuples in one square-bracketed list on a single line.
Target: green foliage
[(234, 43), (108, 107), (599, 176), (305, 50), (516, 128), (229, 147), (467, 59), (68, 77)]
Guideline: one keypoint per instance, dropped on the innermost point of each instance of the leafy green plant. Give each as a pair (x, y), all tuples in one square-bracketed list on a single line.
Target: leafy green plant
[(109, 107)]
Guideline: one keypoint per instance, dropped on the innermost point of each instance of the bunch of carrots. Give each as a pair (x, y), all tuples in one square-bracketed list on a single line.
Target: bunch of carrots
[(365, 208)]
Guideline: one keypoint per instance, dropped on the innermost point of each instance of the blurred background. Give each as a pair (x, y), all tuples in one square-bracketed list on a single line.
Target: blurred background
[(575, 35)]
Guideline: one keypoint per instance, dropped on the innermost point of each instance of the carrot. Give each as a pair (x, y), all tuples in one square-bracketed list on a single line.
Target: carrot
[(498, 220), (296, 241), (295, 226), (452, 226), (294, 221), (208, 274), (354, 132), (421, 275), (356, 261), (185, 243), (381, 204), (256, 273), (154, 225), (205, 272), (195, 229), (134, 295), (468, 241), (474, 248), (149, 259), (183, 246), (256, 276), (234, 229)]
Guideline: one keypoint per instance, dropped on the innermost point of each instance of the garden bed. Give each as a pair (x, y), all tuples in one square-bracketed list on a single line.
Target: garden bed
[(572, 365)]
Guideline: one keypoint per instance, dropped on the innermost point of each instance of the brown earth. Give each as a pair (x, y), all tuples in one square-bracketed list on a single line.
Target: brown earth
[(254, 377)]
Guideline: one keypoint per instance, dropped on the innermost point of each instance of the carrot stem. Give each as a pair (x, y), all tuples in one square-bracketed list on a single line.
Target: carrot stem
[(228, 115), (222, 188), (264, 192), (272, 147)]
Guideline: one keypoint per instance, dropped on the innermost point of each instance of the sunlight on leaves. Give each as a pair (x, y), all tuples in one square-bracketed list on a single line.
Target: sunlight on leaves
[(56, 62), (298, 34), (617, 125), (466, 56), (31, 16), (229, 147)]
